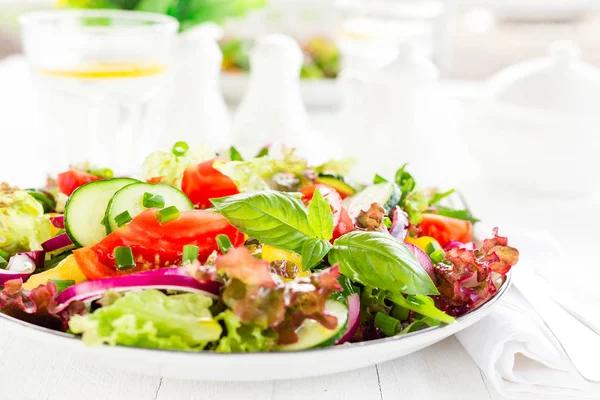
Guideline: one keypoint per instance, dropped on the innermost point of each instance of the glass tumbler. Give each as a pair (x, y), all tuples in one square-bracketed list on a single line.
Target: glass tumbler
[(102, 78)]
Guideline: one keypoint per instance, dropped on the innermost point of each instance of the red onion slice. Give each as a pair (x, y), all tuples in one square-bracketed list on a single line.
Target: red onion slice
[(58, 221), (353, 302), (400, 223), (424, 260), (57, 242), (164, 278)]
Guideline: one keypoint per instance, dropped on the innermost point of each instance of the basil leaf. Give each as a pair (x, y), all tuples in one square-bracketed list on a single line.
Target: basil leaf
[(320, 217), (377, 259), (423, 305), (458, 214), (313, 251), (275, 218)]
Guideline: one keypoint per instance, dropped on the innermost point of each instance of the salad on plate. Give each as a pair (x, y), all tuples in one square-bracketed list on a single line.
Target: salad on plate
[(213, 252)]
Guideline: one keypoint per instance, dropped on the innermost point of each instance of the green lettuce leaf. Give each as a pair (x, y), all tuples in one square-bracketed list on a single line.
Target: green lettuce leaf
[(23, 225), (151, 319), (242, 338), (379, 260), (169, 167), (248, 176)]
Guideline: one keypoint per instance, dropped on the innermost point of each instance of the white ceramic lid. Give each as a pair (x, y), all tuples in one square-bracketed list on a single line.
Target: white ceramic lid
[(558, 83)]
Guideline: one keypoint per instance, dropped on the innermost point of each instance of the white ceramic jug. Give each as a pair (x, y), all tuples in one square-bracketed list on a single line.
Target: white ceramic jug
[(379, 120), (196, 110), (272, 111)]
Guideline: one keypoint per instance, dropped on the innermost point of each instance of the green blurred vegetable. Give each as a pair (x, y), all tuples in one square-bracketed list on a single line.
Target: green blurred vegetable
[(23, 225), (151, 319), (241, 338), (189, 12), (321, 57), (167, 166)]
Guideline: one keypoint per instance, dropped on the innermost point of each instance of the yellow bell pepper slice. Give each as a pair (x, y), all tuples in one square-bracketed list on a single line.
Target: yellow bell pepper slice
[(270, 253), (67, 269), (420, 242)]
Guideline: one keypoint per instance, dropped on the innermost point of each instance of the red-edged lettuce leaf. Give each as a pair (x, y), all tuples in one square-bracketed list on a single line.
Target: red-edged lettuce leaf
[(465, 276), (372, 219), (259, 297), (37, 306)]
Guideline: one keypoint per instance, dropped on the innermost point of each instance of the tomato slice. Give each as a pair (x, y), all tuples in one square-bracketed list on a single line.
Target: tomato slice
[(342, 222), (444, 229), (202, 182), (70, 180), (156, 245)]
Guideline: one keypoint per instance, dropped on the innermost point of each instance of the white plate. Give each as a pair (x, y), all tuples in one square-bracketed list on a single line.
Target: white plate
[(250, 366), (316, 93)]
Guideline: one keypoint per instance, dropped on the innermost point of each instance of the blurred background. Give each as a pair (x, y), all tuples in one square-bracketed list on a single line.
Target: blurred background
[(468, 39)]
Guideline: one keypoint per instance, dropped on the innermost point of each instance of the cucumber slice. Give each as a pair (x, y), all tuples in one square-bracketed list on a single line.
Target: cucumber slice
[(130, 199), (313, 334), (85, 209), (336, 182), (387, 194)]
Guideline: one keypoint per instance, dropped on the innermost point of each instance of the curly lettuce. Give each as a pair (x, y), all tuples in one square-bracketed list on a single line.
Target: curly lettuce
[(151, 319), (242, 338), (23, 225), (167, 167)]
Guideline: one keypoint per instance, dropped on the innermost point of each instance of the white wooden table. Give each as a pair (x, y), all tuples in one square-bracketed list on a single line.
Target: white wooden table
[(444, 371)]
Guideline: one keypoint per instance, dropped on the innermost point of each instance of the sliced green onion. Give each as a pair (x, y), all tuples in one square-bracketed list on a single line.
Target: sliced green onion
[(431, 247), (235, 155), (388, 325), (379, 179), (167, 214), (3, 262), (153, 200), (437, 256), (62, 284), (400, 313), (387, 222), (190, 253), (263, 152), (224, 243), (180, 148), (106, 173), (4, 254), (124, 258), (123, 218)]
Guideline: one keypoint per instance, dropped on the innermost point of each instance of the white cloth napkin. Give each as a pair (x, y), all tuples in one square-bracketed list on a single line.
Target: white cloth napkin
[(517, 353)]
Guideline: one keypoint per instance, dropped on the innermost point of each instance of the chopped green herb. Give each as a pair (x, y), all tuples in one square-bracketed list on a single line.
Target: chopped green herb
[(124, 258), (437, 256), (180, 148), (389, 326), (190, 253), (235, 155), (62, 284), (458, 214), (123, 218), (153, 200), (437, 197), (3, 262), (4, 254), (431, 247), (224, 243), (387, 222), (167, 214), (105, 173)]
